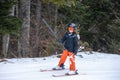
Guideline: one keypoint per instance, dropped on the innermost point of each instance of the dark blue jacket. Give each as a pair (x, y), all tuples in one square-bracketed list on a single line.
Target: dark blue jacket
[(70, 42)]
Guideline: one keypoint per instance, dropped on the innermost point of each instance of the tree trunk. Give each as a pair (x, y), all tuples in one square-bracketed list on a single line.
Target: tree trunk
[(6, 37), (35, 27), (38, 18), (56, 14), (5, 45), (25, 17)]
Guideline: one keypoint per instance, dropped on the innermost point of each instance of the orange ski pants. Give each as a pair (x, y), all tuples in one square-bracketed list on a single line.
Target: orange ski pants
[(71, 59)]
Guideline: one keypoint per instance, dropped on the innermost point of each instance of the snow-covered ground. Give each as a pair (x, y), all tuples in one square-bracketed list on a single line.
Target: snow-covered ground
[(97, 66)]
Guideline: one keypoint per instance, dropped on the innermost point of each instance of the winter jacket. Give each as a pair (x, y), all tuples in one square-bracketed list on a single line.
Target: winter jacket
[(70, 42)]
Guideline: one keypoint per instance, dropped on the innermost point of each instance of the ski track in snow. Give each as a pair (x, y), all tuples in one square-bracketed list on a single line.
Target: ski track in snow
[(96, 66)]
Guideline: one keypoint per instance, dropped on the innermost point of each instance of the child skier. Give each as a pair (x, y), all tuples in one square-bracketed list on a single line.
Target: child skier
[(70, 41)]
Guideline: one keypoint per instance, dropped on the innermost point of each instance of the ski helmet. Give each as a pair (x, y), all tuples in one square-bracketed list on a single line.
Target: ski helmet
[(72, 25)]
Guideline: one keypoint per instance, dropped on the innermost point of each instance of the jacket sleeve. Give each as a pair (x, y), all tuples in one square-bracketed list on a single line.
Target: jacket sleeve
[(75, 45), (63, 39)]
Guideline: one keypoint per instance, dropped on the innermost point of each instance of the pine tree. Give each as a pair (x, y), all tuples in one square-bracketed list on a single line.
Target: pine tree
[(9, 24)]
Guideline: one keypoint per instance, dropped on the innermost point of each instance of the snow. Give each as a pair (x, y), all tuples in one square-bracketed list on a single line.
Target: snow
[(96, 66)]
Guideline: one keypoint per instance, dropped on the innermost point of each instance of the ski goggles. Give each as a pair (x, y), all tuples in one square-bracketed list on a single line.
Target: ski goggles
[(70, 29)]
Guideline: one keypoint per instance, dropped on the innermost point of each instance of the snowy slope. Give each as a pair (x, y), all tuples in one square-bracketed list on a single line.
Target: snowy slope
[(96, 66)]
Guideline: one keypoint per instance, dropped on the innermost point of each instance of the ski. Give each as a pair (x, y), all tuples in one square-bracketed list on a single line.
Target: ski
[(63, 75), (47, 70)]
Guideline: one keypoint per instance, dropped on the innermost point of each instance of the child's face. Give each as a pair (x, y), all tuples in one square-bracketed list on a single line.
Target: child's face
[(71, 29)]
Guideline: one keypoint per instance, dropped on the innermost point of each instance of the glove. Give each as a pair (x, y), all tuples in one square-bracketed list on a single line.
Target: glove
[(75, 52)]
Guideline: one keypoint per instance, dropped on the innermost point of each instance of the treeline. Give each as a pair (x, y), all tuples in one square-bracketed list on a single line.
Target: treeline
[(23, 31)]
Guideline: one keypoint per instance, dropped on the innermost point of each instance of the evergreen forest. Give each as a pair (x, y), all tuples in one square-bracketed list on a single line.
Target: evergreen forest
[(31, 28)]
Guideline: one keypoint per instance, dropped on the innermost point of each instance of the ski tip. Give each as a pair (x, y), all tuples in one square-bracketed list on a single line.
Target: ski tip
[(54, 75)]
